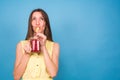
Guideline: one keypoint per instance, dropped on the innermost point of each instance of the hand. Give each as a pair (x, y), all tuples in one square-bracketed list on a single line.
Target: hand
[(42, 38), (27, 47)]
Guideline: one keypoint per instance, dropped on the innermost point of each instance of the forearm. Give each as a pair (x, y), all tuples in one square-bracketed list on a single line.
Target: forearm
[(19, 70), (50, 65)]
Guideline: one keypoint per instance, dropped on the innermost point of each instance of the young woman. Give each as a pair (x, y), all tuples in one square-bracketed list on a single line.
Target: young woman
[(42, 65)]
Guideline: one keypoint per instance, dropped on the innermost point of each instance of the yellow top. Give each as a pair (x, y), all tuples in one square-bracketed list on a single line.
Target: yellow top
[(36, 68)]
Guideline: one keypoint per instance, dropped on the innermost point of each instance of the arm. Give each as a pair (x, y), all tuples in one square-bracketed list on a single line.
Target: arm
[(21, 62), (51, 64)]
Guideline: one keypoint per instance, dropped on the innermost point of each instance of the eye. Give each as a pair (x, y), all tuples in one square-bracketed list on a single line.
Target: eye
[(33, 18), (41, 18)]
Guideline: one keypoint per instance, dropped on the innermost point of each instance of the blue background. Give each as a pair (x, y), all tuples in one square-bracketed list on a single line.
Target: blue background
[(88, 32)]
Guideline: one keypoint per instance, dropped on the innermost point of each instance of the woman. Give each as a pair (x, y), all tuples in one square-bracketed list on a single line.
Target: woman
[(41, 65)]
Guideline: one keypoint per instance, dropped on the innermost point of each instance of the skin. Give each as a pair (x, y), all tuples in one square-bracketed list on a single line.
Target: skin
[(22, 57)]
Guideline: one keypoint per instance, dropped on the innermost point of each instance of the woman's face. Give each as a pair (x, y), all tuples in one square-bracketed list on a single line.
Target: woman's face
[(38, 22)]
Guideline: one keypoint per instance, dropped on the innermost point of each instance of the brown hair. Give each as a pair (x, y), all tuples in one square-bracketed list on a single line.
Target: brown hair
[(47, 30)]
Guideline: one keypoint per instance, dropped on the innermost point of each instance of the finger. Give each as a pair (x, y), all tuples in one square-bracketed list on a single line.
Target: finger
[(40, 34), (27, 48)]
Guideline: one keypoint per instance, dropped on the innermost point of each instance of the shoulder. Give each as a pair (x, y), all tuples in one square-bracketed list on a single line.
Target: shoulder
[(20, 46), (52, 42), (55, 44), (21, 43)]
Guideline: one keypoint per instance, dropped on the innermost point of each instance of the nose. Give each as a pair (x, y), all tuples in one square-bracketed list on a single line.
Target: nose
[(37, 22)]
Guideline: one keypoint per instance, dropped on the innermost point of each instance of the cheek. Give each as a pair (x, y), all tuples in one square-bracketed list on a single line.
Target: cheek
[(44, 26), (42, 29), (33, 23)]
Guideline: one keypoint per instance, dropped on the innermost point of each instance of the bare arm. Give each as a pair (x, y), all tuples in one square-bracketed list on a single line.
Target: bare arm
[(52, 64), (21, 62)]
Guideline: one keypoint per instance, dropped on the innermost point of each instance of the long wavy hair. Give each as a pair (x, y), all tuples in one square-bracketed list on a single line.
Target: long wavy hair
[(47, 30)]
